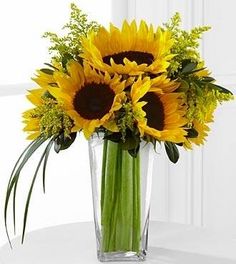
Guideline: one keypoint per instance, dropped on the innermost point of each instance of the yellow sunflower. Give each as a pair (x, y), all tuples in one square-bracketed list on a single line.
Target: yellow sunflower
[(46, 109), (158, 114), (32, 125), (35, 96), (131, 50), (202, 130), (89, 97), (45, 79)]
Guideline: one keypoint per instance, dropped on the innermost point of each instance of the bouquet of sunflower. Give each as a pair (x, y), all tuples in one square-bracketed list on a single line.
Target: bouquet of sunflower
[(130, 85)]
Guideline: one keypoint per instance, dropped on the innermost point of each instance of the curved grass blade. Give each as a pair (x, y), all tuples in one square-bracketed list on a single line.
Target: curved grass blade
[(10, 186), (27, 153), (48, 149), (31, 189), (18, 171), (10, 179), (17, 162)]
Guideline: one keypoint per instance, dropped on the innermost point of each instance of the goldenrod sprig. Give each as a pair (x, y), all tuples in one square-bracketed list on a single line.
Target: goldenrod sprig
[(186, 43), (68, 47), (53, 120)]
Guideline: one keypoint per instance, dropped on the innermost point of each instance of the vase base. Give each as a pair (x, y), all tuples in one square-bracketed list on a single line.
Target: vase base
[(121, 256)]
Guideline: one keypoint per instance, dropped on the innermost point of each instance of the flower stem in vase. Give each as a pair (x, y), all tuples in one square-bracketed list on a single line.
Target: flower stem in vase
[(137, 205), (108, 192), (120, 200)]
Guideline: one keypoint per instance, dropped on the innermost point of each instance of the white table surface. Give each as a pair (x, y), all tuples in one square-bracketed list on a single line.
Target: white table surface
[(75, 244)]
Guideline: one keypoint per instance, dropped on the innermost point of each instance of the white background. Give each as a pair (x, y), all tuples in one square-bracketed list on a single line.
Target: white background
[(199, 190)]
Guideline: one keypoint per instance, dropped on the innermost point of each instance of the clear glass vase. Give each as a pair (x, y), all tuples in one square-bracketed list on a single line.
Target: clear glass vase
[(121, 187)]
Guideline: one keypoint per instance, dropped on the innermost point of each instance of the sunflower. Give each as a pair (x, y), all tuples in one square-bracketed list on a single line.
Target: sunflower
[(32, 124), (89, 97), (45, 79), (158, 114), (35, 96), (131, 50), (202, 130), (47, 118)]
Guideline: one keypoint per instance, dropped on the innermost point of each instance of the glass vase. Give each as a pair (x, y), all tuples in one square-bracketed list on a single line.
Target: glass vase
[(121, 188)]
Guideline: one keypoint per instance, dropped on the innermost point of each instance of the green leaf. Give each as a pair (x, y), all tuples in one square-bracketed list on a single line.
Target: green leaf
[(188, 67), (192, 133), (198, 88), (47, 150), (198, 70), (219, 88), (183, 87), (114, 137), (130, 143), (48, 95), (208, 79), (66, 58), (172, 151), (134, 152), (62, 142), (47, 71), (51, 66)]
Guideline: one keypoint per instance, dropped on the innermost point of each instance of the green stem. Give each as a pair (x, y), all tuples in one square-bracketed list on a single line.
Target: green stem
[(126, 201), (103, 173), (108, 193), (115, 214), (120, 200), (137, 205)]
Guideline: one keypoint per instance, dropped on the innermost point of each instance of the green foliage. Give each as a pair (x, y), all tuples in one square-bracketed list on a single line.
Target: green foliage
[(16, 173), (61, 142), (201, 94), (192, 133), (13, 182), (186, 43), (42, 158), (172, 151), (68, 47)]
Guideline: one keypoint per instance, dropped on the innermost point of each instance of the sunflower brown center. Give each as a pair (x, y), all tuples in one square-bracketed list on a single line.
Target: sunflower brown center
[(138, 56), (154, 111), (93, 100)]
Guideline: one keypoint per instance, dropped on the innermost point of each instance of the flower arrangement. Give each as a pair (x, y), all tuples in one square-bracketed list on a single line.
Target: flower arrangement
[(138, 83)]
